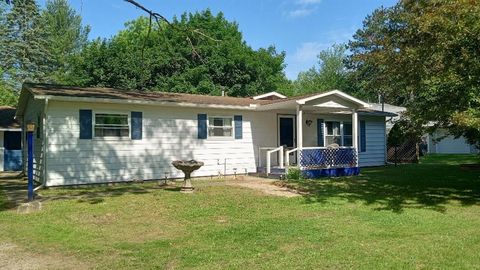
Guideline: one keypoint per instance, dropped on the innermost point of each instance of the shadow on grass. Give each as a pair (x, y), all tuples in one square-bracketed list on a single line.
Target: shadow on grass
[(92, 194), (432, 184), (95, 194)]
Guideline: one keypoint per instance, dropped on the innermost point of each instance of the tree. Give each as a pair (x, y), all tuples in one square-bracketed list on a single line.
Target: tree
[(24, 54), (330, 74), (66, 37), (424, 55), (159, 56)]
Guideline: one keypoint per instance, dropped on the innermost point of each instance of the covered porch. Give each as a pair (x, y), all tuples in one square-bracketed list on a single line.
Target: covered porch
[(320, 134)]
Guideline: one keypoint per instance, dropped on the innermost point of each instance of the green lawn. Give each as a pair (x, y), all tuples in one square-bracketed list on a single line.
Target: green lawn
[(424, 216)]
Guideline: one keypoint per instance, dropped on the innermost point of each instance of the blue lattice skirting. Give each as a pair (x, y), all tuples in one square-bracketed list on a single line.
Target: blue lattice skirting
[(331, 172)]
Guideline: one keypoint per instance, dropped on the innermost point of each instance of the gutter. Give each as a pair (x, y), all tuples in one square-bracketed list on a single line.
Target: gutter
[(251, 107)]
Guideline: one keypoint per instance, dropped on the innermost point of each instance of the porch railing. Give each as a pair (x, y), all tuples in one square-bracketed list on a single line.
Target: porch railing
[(269, 156), (323, 157)]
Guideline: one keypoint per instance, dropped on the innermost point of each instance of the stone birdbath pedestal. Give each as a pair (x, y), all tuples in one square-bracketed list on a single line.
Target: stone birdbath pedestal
[(187, 167)]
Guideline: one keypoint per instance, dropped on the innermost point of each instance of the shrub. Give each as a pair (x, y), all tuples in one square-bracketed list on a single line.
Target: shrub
[(294, 174)]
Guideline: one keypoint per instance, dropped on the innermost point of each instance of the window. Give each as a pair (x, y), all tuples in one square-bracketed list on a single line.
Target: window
[(333, 134), (220, 127), (111, 125), (347, 134)]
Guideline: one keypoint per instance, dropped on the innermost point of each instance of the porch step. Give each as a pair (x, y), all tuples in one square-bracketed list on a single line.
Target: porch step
[(275, 172), (269, 176)]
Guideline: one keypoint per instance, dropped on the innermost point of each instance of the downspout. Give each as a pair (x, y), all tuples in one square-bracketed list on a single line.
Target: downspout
[(44, 146)]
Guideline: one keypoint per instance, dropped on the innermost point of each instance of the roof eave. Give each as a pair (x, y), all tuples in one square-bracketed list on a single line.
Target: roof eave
[(146, 102)]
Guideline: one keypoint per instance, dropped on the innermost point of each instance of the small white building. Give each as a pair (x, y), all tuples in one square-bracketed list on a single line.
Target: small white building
[(440, 142), (97, 135)]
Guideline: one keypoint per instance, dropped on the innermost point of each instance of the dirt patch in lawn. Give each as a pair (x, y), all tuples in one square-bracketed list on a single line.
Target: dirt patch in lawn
[(266, 186), (13, 257)]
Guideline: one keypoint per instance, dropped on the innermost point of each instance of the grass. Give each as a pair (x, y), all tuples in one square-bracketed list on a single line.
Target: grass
[(422, 216)]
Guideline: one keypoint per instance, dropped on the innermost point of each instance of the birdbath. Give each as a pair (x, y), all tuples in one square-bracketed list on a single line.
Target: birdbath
[(187, 167)]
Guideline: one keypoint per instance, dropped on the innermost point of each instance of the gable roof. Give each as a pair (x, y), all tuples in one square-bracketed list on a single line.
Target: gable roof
[(270, 96), (7, 118), (111, 95)]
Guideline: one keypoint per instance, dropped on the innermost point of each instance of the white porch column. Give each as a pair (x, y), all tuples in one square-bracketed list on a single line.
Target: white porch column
[(355, 132), (299, 131)]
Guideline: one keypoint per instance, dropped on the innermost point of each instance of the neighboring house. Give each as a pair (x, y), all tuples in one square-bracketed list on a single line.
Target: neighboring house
[(10, 141), (97, 135), (440, 142), (398, 110)]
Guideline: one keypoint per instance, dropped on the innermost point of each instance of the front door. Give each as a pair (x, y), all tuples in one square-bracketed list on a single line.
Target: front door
[(286, 131), (286, 134)]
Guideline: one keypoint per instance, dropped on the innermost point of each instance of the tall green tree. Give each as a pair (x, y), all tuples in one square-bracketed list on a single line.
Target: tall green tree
[(24, 54), (424, 54), (7, 96), (66, 37), (176, 58), (331, 73)]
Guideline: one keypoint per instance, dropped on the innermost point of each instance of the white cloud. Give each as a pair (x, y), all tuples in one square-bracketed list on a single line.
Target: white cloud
[(303, 8), (301, 12), (308, 51)]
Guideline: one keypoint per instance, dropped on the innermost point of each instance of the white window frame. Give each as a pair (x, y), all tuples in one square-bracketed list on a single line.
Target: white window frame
[(231, 137), (94, 120), (342, 135)]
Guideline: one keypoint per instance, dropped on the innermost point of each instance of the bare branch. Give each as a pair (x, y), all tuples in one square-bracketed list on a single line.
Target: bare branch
[(158, 18)]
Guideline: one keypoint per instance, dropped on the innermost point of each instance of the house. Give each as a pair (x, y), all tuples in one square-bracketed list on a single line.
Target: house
[(385, 107), (10, 141), (441, 142), (97, 135)]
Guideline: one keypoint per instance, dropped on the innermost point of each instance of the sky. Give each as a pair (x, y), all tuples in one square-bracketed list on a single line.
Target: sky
[(301, 28)]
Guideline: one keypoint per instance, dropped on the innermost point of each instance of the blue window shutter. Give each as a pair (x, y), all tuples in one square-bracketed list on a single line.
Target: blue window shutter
[(136, 129), (202, 126), (86, 124), (320, 141), (238, 126), (363, 137)]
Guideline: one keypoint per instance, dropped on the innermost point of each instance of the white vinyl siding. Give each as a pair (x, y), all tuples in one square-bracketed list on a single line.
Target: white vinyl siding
[(449, 144), (169, 134)]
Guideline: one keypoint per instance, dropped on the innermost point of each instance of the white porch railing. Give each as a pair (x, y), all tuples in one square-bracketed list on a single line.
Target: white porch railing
[(269, 158), (287, 156)]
